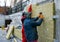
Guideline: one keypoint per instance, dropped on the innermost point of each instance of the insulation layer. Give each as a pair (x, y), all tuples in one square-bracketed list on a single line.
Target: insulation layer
[(17, 33), (46, 30)]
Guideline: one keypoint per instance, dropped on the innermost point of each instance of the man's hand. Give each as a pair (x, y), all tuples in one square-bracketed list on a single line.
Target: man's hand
[(41, 16)]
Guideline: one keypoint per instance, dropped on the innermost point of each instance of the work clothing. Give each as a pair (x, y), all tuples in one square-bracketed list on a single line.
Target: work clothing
[(30, 28), (23, 18), (33, 41), (23, 33)]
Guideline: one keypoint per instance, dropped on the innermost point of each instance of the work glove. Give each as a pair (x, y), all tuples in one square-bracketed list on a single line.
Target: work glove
[(41, 16)]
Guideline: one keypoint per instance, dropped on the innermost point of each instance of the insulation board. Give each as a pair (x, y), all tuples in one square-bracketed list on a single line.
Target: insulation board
[(46, 30), (17, 33)]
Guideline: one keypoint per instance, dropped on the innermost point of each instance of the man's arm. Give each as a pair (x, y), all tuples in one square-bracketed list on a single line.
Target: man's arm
[(36, 23), (35, 19)]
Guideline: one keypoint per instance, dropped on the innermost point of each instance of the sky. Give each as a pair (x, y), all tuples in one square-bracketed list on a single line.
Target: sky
[(3, 4)]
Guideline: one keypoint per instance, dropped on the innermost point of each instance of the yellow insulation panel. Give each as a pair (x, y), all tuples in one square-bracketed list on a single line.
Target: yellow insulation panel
[(17, 33), (10, 31), (46, 30)]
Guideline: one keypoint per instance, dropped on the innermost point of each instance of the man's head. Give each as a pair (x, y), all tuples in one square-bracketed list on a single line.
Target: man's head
[(27, 14), (40, 13)]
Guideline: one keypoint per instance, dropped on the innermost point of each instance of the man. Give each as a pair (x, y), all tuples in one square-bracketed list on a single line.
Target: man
[(29, 9), (30, 26)]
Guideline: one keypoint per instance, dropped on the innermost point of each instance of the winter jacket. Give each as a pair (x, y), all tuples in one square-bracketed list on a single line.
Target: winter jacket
[(30, 28), (23, 33)]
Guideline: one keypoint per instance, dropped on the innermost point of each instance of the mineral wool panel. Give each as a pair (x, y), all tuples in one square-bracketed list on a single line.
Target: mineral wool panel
[(46, 30), (17, 33)]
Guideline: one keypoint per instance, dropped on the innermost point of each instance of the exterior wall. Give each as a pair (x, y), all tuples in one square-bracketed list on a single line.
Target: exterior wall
[(57, 2), (57, 5), (3, 10), (2, 20), (16, 19), (36, 1)]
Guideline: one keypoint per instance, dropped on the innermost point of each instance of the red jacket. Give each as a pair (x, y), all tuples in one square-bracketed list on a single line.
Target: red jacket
[(23, 33)]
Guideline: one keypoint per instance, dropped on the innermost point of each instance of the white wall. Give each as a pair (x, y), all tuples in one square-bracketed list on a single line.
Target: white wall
[(57, 2), (57, 5), (2, 20), (16, 19), (36, 1)]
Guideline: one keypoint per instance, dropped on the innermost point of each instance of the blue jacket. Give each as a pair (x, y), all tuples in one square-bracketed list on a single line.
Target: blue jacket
[(30, 28)]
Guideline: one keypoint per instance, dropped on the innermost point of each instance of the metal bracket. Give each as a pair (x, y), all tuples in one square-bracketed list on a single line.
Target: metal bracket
[(55, 16)]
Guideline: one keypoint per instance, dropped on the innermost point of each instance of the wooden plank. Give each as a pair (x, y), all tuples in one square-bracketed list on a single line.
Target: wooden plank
[(18, 33), (9, 32), (15, 40), (46, 30)]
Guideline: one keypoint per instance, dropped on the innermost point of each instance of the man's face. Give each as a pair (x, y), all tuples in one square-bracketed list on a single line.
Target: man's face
[(29, 15)]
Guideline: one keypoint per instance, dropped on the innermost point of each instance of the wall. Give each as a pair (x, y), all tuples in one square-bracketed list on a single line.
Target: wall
[(2, 20), (36, 1), (16, 19), (57, 5)]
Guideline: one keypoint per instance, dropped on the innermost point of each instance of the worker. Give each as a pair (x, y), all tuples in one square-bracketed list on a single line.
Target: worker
[(30, 26), (22, 19), (23, 33)]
